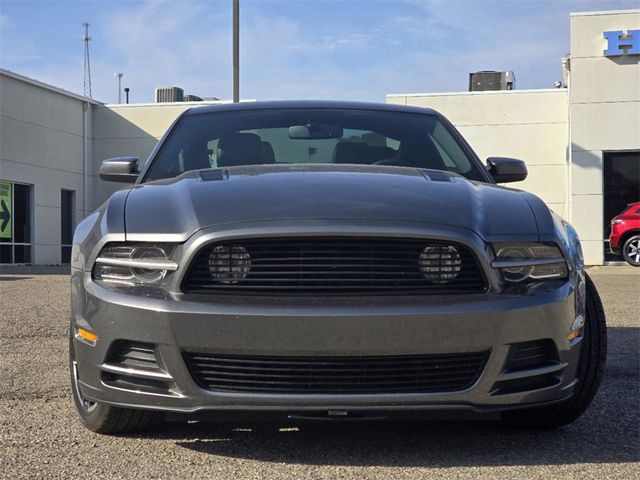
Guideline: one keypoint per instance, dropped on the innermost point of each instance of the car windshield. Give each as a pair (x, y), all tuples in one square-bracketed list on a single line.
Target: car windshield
[(311, 135)]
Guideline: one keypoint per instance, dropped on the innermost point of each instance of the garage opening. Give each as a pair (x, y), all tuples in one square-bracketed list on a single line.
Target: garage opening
[(621, 178)]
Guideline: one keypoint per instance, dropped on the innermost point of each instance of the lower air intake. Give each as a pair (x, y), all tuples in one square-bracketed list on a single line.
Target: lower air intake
[(527, 355), (133, 355), (337, 375)]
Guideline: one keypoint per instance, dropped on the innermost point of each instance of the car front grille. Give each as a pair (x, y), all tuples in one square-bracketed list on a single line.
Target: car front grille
[(334, 266), (337, 375)]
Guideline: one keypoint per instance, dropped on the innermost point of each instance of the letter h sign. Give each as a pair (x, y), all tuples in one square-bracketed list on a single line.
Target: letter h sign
[(620, 44)]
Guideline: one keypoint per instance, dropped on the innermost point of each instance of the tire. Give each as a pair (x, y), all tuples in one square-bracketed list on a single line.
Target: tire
[(631, 250), (107, 419), (590, 370)]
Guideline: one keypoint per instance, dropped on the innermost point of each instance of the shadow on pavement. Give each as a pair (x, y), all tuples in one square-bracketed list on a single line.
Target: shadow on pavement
[(607, 433), (33, 270)]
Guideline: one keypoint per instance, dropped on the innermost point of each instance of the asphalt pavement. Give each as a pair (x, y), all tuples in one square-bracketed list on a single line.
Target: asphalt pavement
[(40, 436)]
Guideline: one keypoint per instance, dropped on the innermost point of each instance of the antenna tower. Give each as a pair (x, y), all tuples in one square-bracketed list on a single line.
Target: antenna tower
[(87, 65)]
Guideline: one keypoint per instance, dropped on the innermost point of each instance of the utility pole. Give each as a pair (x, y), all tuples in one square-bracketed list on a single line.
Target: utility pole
[(236, 51), (119, 77), (87, 65)]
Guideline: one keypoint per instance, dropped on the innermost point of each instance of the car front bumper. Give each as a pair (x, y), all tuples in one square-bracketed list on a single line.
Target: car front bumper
[(323, 327)]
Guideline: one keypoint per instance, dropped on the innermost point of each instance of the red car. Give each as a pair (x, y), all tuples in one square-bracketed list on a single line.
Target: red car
[(625, 234)]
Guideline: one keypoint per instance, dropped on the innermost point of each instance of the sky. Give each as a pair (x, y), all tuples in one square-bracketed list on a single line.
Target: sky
[(358, 50)]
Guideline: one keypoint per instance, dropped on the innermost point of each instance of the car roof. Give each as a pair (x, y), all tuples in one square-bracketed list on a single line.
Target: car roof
[(336, 104)]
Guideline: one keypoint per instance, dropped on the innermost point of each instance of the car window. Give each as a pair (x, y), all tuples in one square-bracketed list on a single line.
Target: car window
[(306, 136), (452, 154)]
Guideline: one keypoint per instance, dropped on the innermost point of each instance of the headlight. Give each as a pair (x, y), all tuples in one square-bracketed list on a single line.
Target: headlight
[(229, 264), (520, 262), (573, 246), (141, 263)]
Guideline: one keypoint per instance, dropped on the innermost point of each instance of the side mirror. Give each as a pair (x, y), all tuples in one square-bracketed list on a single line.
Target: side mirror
[(119, 169), (505, 170)]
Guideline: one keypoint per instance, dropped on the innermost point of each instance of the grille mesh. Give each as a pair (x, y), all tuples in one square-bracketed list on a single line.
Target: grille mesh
[(299, 375), (334, 266)]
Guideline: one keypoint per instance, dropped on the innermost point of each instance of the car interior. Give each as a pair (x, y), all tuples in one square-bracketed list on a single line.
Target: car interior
[(346, 143)]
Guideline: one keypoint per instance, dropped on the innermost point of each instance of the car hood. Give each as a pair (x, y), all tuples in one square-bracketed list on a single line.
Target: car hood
[(178, 207)]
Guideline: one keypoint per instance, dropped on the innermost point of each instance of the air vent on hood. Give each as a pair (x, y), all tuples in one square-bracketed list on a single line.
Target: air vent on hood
[(437, 176), (214, 175)]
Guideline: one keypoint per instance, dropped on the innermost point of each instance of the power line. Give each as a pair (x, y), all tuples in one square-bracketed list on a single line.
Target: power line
[(87, 64)]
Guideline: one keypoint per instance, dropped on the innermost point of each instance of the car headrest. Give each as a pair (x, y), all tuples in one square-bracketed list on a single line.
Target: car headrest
[(377, 153), (421, 155), (268, 156), (350, 152), (239, 149), (195, 156)]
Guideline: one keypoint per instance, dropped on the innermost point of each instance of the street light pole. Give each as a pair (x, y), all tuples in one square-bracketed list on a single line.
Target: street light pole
[(119, 77), (236, 51)]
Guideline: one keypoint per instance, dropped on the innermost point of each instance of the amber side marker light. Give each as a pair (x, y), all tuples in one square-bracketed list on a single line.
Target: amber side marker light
[(576, 328), (573, 334), (87, 336)]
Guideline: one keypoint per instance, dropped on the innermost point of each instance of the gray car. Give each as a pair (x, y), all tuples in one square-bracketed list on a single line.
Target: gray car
[(327, 260)]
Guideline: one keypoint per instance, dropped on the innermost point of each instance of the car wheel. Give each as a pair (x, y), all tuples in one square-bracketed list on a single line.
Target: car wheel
[(590, 370), (102, 418), (631, 250)]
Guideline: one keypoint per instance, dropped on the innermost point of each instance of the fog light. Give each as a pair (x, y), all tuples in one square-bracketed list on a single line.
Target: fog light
[(89, 337), (229, 264), (440, 263)]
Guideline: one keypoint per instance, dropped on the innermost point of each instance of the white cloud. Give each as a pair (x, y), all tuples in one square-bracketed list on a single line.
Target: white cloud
[(427, 46), (164, 43)]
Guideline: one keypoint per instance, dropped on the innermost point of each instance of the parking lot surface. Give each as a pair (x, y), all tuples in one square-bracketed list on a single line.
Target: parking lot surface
[(40, 436)]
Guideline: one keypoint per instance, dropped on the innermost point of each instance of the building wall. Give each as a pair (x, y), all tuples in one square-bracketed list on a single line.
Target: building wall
[(604, 97), (128, 130), (531, 125), (41, 144)]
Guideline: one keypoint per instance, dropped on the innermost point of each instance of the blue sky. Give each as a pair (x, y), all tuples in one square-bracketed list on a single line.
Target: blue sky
[(290, 49)]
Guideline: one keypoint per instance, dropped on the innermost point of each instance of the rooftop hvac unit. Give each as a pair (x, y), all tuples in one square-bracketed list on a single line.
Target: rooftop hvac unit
[(192, 98), (169, 94), (482, 81)]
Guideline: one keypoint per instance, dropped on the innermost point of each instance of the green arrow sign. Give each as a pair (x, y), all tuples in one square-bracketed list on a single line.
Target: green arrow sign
[(6, 209)]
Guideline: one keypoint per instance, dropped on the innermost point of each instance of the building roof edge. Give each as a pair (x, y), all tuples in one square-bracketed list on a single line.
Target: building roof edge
[(46, 86)]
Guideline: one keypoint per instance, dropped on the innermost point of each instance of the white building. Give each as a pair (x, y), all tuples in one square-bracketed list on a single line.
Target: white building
[(581, 144)]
